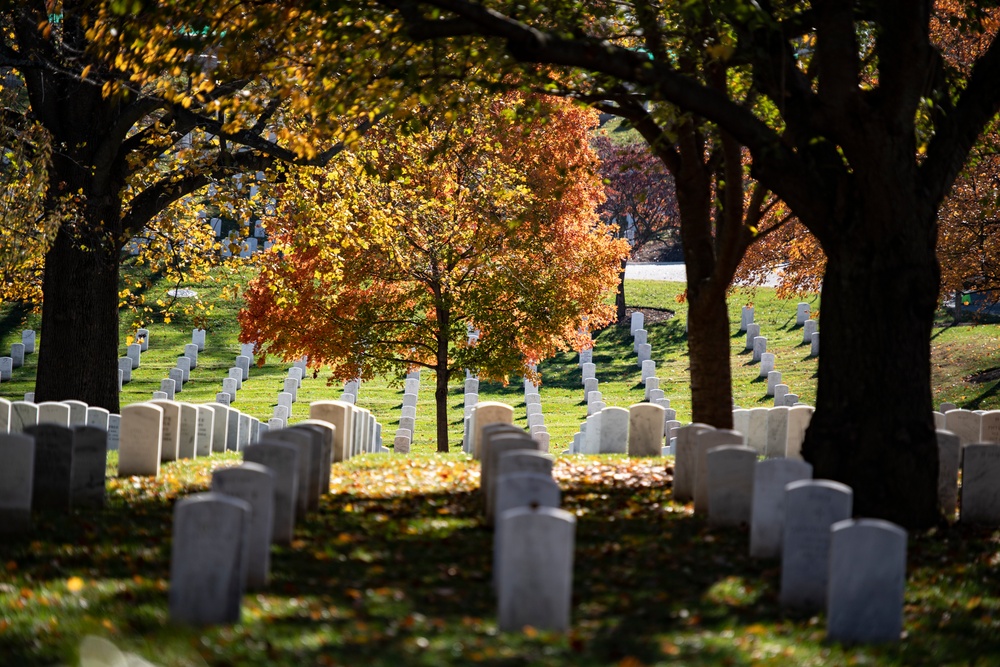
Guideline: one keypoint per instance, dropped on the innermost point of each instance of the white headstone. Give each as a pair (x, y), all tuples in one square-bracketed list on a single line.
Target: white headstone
[(980, 483), (686, 461), (243, 363), (867, 582), (140, 440), (759, 347), (283, 460), (28, 339), (114, 432), (645, 429), (22, 414), (637, 322), (254, 484), (614, 431), (204, 430), (777, 432), (767, 522), (809, 327), (730, 484), (17, 355), (77, 412), (53, 469), (705, 441), (753, 330), (801, 314), (171, 429), (187, 431), (536, 557), (811, 508), (98, 418), (17, 472), (142, 340), (967, 425), (52, 412), (798, 421), (208, 559)]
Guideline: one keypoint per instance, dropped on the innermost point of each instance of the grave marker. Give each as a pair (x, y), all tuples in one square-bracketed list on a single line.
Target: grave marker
[(730, 484), (811, 508), (614, 431), (867, 581), (536, 559), (208, 559), (949, 462), (767, 521), (171, 429), (645, 429), (53, 470), (204, 430), (705, 441), (283, 460), (17, 473), (254, 484), (980, 483)]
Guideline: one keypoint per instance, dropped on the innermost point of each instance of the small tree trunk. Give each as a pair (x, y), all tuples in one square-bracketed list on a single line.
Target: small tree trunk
[(620, 295), (873, 428), (78, 351), (709, 350), (442, 374), (441, 404)]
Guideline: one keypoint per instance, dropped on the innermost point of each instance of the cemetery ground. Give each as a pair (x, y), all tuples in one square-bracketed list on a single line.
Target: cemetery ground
[(395, 566)]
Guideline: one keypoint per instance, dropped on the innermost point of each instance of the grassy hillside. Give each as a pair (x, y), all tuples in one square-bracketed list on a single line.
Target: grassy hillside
[(958, 354)]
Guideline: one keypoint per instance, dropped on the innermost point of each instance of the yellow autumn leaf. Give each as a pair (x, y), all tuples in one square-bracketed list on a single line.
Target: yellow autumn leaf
[(74, 584)]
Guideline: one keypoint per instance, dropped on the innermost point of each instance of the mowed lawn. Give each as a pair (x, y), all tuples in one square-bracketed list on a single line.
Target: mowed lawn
[(395, 566)]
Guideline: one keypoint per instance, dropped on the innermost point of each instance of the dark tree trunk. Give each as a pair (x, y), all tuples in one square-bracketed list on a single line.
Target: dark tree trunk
[(620, 295), (872, 428), (78, 353), (710, 351), (442, 374), (441, 405)]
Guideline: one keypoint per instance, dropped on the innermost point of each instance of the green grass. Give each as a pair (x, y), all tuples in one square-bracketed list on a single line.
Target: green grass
[(394, 567), (957, 353)]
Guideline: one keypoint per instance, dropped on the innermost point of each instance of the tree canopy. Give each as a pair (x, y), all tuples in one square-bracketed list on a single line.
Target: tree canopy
[(482, 222)]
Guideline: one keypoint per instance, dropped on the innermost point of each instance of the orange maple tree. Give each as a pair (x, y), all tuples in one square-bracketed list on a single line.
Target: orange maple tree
[(481, 221)]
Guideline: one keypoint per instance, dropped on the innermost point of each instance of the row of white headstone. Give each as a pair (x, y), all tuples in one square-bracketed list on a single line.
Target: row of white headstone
[(173, 384), (854, 569), (17, 353), (638, 430), (222, 539), (406, 429), (16, 416), (533, 540), (289, 392), (50, 467)]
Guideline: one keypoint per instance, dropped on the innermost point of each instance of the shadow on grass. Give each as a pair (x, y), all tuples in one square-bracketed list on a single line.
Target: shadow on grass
[(405, 580)]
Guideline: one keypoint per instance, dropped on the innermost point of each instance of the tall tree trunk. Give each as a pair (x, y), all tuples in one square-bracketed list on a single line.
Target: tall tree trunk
[(873, 428), (78, 354), (710, 351)]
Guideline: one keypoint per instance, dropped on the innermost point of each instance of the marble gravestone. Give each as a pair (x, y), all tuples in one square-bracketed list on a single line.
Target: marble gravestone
[(283, 460), (811, 508), (254, 484), (767, 521), (53, 469), (536, 565), (730, 484), (867, 582), (140, 440), (705, 441), (208, 559), (17, 465), (645, 429), (981, 484)]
